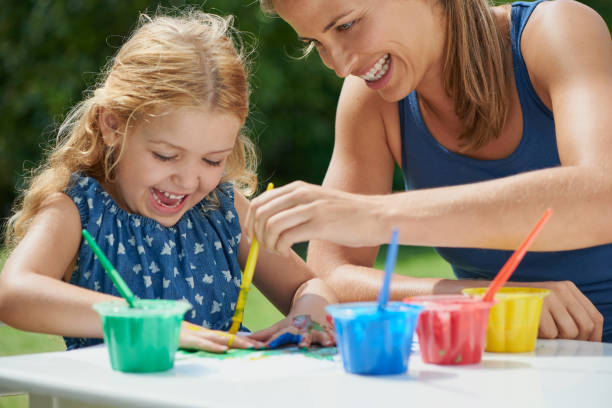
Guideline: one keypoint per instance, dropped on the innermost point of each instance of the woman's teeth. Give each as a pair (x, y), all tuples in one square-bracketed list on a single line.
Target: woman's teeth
[(378, 70)]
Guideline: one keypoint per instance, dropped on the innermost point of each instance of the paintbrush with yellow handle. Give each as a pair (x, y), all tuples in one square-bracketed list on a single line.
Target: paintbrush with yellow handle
[(247, 277)]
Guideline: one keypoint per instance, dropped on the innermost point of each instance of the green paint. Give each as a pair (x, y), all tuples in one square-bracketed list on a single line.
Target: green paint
[(458, 359), (320, 353)]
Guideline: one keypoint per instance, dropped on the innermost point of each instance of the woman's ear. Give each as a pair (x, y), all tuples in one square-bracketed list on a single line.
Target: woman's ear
[(109, 125)]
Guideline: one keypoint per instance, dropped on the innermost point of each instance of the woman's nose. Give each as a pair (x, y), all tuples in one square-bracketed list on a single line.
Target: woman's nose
[(340, 61)]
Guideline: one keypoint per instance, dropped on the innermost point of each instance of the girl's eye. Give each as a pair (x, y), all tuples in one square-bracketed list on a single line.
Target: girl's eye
[(162, 157), (345, 26), (213, 163)]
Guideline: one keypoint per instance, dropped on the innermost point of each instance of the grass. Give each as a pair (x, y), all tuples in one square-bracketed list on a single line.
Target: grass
[(259, 313)]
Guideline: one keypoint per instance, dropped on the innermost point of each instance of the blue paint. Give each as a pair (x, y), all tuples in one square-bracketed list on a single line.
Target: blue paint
[(373, 341), (285, 338)]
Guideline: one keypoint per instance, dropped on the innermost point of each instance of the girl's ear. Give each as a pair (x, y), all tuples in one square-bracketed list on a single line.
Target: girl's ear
[(109, 124)]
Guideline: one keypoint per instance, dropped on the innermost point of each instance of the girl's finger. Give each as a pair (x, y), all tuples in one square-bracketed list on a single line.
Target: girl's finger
[(326, 339), (244, 342), (306, 340), (265, 334)]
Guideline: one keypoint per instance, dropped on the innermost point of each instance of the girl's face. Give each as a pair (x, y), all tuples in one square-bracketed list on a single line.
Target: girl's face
[(390, 44), (171, 162)]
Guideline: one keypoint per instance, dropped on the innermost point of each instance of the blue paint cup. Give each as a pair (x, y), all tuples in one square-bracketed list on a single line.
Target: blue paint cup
[(373, 341)]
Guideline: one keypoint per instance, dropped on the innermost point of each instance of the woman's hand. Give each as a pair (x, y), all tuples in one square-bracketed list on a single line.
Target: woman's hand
[(568, 314), (197, 337), (310, 332), (300, 212)]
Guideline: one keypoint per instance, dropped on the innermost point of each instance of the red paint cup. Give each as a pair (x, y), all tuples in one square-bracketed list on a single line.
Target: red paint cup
[(451, 328)]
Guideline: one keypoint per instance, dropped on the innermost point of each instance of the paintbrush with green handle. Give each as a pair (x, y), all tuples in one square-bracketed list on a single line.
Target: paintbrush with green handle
[(110, 270)]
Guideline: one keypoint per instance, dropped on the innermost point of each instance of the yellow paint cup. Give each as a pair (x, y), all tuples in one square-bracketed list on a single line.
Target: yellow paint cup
[(514, 319)]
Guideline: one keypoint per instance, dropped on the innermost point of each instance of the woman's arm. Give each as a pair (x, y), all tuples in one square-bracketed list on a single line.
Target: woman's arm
[(567, 48)]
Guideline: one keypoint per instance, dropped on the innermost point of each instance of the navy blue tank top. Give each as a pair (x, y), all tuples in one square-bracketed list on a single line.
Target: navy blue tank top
[(428, 164)]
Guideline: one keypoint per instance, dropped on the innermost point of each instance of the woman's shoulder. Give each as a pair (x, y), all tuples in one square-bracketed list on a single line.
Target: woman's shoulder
[(563, 39), (562, 26), (563, 17), (362, 111)]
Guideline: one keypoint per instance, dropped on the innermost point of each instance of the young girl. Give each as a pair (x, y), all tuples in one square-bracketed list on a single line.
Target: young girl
[(153, 164)]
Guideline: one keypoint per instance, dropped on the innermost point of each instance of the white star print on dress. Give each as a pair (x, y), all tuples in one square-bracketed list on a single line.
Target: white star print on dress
[(167, 250), (195, 259)]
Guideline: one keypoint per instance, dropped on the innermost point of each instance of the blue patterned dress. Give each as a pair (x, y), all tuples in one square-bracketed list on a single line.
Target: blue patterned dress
[(196, 259)]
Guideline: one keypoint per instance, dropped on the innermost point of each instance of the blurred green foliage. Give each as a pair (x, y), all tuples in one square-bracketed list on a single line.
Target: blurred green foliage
[(51, 50)]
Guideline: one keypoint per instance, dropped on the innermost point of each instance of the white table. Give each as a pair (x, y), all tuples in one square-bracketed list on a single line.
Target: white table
[(559, 373)]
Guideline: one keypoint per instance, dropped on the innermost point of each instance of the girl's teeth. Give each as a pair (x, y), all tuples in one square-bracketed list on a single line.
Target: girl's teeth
[(178, 198), (172, 196)]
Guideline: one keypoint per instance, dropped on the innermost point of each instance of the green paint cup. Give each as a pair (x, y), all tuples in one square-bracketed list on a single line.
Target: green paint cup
[(144, 338)]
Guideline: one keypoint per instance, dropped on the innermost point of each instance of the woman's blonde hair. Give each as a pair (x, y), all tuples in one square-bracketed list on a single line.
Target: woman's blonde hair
[(474, 72), (193, 59)]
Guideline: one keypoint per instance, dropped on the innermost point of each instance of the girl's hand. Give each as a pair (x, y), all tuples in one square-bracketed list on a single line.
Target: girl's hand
[(301, 212), (311, 331), (197, 337)]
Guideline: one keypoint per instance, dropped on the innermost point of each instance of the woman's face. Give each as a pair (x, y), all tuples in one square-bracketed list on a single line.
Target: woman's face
[(390, 44)]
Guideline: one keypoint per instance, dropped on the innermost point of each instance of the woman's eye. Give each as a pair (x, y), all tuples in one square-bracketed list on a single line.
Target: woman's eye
[(162, 157), (345, 26)]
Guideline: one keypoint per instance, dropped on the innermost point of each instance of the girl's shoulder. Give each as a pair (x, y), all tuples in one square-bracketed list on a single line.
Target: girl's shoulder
[(96, 205)]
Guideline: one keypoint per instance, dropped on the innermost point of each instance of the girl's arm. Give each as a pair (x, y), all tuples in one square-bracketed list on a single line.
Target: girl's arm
[(289, 284), (33, 295)]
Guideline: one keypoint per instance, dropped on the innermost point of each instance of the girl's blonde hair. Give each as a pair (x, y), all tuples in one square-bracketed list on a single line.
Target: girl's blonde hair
[(474, 73), (191, 60)]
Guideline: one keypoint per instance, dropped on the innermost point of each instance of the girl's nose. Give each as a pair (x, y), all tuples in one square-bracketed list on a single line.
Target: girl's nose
[(187, 178)]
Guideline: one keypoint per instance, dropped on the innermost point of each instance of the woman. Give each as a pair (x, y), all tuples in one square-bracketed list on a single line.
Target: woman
[(493, 114)]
